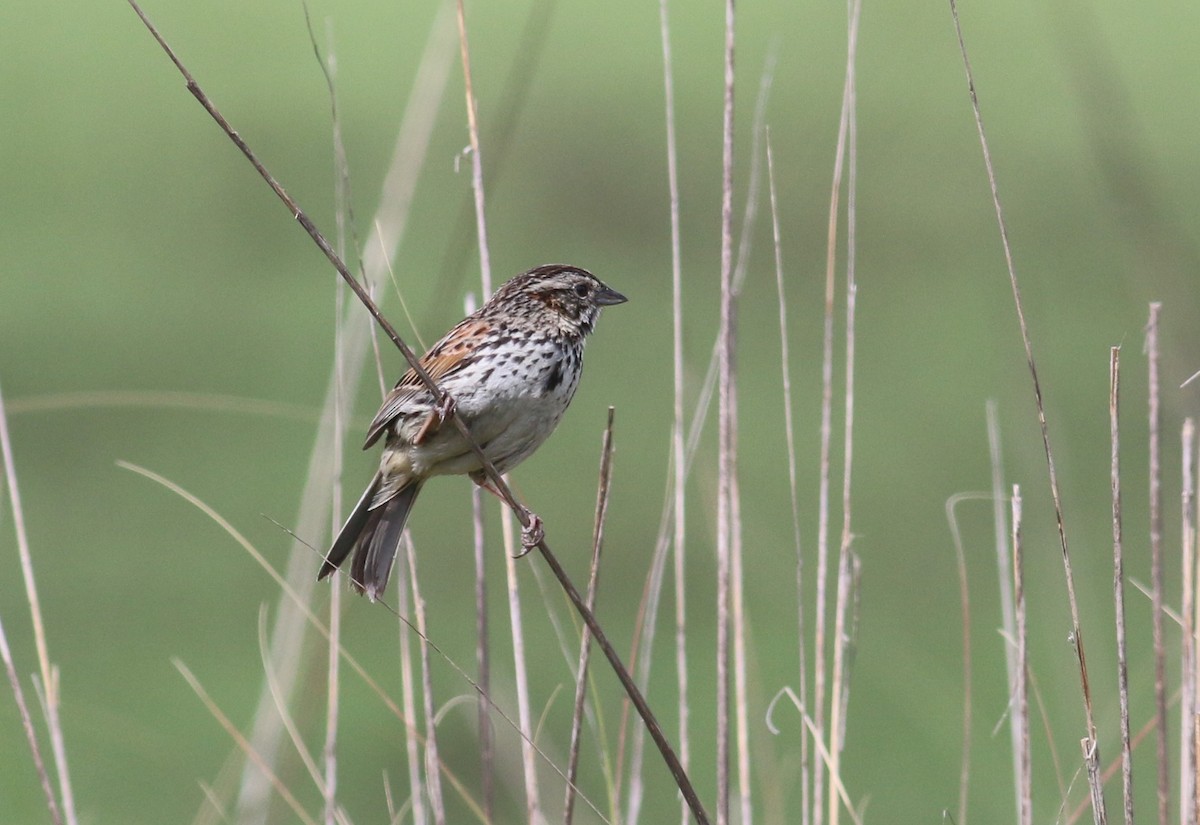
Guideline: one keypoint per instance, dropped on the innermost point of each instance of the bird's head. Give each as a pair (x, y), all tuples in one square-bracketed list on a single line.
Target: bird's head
[(572, 296)]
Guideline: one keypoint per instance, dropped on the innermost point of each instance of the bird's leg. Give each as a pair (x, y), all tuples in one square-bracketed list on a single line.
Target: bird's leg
[(532, 533), (442, 412)]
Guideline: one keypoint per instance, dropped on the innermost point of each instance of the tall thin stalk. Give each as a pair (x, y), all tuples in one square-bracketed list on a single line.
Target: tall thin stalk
[(48, 672), (5, 652), (1092, 746), (820, 667), (344, 222), (533, 805), (1021, 699), (1191, 547), (1187, 722), (408, 696), (483, 657), (31, 738), (433, 781), (840, 674), (1008, 620), (483, 667), (1156, 567), (790, 439), (677, 429), (725, 454), (485, 259), (585, 642), (1114, 422)]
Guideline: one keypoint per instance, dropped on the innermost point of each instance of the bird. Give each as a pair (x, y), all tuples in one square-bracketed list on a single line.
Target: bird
[(510, 369)]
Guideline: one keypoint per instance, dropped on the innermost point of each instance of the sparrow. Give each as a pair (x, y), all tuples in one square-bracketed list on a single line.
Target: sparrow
[(511, 369)]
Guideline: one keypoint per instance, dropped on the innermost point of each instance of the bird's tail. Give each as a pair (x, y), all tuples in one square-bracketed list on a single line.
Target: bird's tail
[(374, 536)]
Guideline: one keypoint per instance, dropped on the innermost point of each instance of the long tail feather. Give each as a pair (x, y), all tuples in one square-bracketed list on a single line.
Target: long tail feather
[(379, 542), (374, 536), (353, 528)]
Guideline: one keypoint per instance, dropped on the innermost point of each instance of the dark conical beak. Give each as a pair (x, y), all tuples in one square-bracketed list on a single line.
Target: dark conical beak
[(607, 297)]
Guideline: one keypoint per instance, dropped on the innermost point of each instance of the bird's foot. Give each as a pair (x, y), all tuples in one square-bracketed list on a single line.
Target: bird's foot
[(445, 408), (532, 534)]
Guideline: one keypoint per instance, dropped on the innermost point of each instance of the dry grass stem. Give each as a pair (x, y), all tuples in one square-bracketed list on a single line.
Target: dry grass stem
[(739, 632), (1114, 399), (216, 808), (281, 707), (505, 116), (835, 780), (219, 792), (1091, 758), (964, 602), (408, 697), (820, 675), (389, 798), (741, 701), (585, 643), (1187, 741), (758, 133), (49, 674), (840, 683), (482, 656), (343, 202), (27, 725), (533, 812), (632, 743), (485, 261), (849, 640), (1191, 547), (483, 669), (1020, 711), (1156, 566), (333, 678), (725, 455), (1109, 772), (1076, 626), (677, 444), (253, 757), (794, 497), (336, 814), (432, 777), (344, 216), (1008, 621)]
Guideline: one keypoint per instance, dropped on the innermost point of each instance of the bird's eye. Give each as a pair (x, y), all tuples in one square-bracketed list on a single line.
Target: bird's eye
[(582, 290)]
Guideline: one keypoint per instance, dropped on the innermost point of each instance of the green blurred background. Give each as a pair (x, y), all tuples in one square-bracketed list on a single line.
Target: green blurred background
[(141, 253)]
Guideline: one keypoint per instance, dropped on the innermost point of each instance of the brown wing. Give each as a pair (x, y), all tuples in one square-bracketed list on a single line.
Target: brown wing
[(445, 358)]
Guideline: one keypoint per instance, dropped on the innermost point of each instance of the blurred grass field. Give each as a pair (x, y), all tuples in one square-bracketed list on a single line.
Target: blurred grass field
[(141, 254)]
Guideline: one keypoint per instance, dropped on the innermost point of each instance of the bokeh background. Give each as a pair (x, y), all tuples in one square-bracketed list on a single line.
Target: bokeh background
[(139, 253)]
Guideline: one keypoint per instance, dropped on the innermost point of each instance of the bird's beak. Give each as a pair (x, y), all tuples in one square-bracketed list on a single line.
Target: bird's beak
[(608, 297)]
